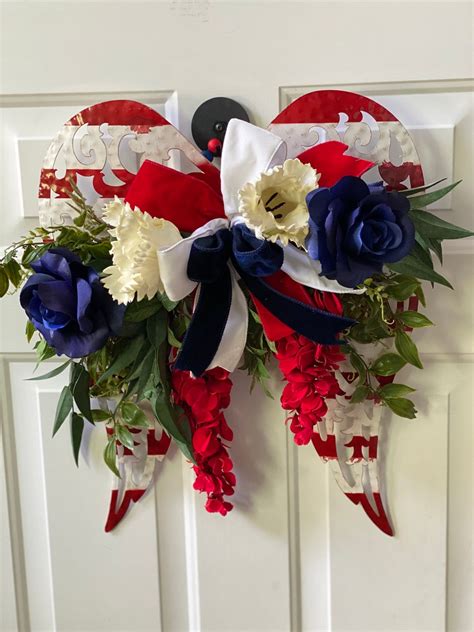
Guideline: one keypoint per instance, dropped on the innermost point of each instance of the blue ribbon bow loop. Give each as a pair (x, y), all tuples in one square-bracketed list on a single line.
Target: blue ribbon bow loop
[(253, 259)]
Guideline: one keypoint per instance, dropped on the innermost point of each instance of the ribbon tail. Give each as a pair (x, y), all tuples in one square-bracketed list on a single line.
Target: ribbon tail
[(315, 324), (207, 326), (302, 269), (232, 345)]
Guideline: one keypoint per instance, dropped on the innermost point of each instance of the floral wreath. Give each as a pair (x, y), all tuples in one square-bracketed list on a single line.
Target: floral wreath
[(159, 297)]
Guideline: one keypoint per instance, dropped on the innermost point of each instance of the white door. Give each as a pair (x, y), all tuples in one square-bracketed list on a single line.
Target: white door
[(294, 554)]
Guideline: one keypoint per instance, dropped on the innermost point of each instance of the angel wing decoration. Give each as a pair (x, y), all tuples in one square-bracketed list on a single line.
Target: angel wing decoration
[(349, 436), (100, 150)]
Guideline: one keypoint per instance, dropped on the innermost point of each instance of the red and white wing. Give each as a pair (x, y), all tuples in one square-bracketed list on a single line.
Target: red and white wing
[(101, 149), (348, 438)]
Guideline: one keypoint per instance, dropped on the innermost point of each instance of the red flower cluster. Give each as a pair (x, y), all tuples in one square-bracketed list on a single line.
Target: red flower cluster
[(203, 400), (309, 369)]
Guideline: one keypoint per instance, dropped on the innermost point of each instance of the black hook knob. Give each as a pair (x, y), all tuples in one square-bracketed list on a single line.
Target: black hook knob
[(209, 123)]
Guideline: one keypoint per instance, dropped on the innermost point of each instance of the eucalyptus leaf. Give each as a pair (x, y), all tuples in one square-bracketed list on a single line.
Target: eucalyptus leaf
[(64, 407), (77, 427), (407, 349)]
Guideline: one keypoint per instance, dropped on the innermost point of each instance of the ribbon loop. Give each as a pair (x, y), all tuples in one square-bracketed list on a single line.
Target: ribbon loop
[(209, 256), (253, 255)]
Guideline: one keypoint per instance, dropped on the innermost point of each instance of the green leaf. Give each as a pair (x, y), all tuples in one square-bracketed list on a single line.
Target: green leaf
[(407, 349), (63, 408), (413, 319), (13, 270), (80, 220), (77, 427), (424, 187), (167, 303), (110, 456), (413, 267), (125, 436), (389, 391), (4, 282), (125, 356), (387, 364), (44, 351), (172, 340), (29, 330), (432, 227), (403, 290), (53, 373), (420, 295), (100, 415), (360, 394), (80, 380), (437, 248), (149, 375), (165, 417), (358, 365), (133, 415), (138, 311), (402, 407), (422, 255), (420, 201), (157, 328)]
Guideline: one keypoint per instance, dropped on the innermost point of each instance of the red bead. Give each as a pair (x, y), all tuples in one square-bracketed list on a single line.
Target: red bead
[(214, 145)]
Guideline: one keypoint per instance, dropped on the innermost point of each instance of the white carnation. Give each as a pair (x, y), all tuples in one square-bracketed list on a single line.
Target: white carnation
[(137, 237)]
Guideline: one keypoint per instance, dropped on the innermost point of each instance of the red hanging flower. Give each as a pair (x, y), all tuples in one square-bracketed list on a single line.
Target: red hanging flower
[(309, 369), (203, 400)]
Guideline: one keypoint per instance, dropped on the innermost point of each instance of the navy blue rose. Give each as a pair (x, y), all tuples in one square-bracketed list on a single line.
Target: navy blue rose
[(355, 228), (68, 304)]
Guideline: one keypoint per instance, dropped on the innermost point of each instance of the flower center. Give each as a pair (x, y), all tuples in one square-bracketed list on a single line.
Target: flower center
[(276, 204)]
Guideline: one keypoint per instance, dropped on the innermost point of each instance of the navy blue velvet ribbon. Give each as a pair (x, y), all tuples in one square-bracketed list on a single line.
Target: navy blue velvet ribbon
[(253, 259)]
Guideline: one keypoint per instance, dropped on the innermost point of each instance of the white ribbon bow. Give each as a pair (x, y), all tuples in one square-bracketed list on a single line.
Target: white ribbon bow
[(248, 151)]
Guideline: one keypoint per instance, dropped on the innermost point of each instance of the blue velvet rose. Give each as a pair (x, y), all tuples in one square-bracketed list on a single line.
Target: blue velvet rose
[(355, 228), (68, 304)]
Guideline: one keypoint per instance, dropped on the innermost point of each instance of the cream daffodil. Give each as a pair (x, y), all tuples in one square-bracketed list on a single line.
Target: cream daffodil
[(274, 205), (137, 237)]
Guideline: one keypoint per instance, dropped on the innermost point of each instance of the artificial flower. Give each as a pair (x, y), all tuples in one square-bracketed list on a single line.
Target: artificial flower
[(137, 239), (355, 229), (274, 205), (66, 302)]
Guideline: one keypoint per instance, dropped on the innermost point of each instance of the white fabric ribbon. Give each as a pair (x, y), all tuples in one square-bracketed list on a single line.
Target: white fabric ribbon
[(248, 151)]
